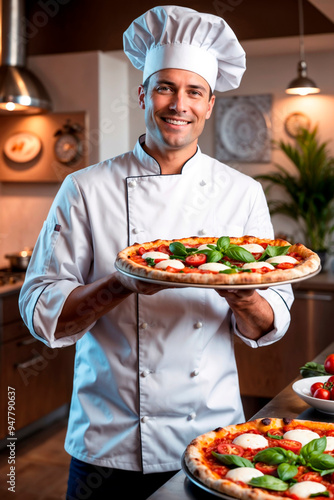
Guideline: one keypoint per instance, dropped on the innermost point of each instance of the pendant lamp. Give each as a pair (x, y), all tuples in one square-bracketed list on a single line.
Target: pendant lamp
[(302, 85), (21, 92)]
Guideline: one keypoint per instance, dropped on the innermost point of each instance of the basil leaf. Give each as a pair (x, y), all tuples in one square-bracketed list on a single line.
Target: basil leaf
[(214, 256), (320, 494), (238, 253), (312, 369), (269, 482), (322, 462), (272, 456), (150, 261), (273, 436), (274, 251), (178, 248), (178, 257), (324, 472), (232, 460), (228, 271), (286, 471), (223, 243), (313, 448), (213, 247)]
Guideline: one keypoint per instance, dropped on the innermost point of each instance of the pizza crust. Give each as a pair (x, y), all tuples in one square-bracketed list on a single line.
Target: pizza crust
[(196, 463), (309, 265)]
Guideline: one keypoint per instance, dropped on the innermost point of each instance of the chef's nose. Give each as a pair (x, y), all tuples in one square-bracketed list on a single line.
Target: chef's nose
[(178, 102)]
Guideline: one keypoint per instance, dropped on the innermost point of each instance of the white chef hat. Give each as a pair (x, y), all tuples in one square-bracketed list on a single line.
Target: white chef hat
[(177, 37)]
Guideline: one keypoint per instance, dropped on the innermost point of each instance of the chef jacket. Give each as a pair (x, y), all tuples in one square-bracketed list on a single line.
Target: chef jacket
[(156, 371)]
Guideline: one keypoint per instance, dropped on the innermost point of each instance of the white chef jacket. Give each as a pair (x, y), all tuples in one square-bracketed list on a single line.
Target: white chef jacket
[(157, 370)]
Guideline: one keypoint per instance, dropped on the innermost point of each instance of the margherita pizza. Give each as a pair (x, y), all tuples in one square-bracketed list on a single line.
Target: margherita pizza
[(218, 261), (266, 459)]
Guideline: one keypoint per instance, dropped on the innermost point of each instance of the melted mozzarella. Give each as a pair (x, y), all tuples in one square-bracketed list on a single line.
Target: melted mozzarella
[(213, 266), (280, 259), (204, 247), (244, 474), (155, 255), (249, 440), (303, 436), (257, 265), (176, 264), (306, 488), (253, 247), (330, 443)]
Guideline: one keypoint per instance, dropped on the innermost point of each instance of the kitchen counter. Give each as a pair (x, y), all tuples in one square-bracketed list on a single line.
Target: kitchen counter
[(285, 404), (322, 281)]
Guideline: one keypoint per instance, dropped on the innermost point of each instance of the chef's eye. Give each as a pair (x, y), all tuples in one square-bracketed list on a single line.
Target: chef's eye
[(164, 89), (195, 93)]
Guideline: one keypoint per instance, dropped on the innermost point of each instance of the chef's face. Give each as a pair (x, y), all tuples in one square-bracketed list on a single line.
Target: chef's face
[(177, 103)]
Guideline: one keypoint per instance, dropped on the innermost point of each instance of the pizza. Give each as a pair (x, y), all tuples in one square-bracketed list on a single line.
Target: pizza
[(265, 459), (218, 261)]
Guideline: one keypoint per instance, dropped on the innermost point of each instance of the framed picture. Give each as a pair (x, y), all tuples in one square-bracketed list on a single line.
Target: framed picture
[(243, 128)]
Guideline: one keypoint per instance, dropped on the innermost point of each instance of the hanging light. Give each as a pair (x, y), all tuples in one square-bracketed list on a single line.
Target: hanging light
[(302, 85), (21, 92)]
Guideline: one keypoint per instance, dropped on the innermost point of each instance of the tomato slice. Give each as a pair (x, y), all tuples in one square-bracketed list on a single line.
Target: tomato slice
[(196, 259), (141, 251), (266, 468), (171, 269), (289, 444), (164, 249), (311, 476), (285, 265), (188, 270), (275, 432), (230, 449), (257, 255)]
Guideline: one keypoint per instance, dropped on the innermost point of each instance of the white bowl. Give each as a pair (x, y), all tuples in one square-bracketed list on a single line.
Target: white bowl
[(302, 388)]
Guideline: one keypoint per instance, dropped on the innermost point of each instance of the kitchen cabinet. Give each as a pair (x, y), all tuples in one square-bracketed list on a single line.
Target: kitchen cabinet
[(265, 371), (40, 377)]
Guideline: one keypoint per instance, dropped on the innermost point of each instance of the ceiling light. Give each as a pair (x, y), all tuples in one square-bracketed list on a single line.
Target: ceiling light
[(21, 92), (302, 85)]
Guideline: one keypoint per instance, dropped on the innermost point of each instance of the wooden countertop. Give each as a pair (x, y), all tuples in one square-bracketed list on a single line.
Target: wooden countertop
[(285, 404), (322, 281)]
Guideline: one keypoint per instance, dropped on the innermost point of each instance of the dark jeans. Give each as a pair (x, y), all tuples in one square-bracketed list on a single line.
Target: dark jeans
[(90, 482)]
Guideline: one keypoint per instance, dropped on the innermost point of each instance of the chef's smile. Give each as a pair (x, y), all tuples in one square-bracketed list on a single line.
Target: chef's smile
[(174, 121)]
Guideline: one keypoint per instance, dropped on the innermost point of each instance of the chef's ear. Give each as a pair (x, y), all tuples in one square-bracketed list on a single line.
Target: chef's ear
[(141, 96)]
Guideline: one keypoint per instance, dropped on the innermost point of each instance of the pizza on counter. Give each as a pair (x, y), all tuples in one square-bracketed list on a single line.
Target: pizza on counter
[(218, 261), (266, 459)]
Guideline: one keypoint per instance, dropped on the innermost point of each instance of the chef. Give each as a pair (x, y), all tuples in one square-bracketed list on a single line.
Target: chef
[(154, 366)]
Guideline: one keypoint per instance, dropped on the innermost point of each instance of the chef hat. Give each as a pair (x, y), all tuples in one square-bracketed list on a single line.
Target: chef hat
[(182, 38)]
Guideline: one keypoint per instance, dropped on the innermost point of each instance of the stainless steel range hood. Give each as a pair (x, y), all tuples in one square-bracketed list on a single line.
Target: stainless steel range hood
[(21, 92)]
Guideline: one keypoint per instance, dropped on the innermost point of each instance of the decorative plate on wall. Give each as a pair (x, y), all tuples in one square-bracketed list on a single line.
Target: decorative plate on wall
[(43, 148), (243, 128), (22, 147), (296, 121)]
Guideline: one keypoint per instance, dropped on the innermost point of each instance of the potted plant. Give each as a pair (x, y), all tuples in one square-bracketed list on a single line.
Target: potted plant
[(310, 190)]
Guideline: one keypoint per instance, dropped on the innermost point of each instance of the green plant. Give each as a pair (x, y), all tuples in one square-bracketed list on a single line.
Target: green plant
[(310, 190)]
